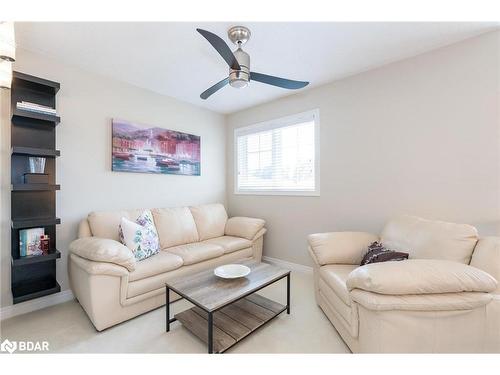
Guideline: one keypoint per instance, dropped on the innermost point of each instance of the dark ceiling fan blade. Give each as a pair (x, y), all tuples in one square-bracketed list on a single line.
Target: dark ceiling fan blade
[(205, 94), (221, 47), (277, 81)]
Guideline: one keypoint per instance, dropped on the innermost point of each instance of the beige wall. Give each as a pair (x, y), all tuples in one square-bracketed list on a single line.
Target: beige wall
[(86, 103), (420, 136)]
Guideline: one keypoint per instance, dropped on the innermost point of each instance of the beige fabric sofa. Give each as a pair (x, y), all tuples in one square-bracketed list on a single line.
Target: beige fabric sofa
[(445, 298), (112, 287)]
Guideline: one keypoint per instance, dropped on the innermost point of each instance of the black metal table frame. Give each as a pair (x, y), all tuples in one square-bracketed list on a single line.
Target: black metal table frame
[(211, 312)]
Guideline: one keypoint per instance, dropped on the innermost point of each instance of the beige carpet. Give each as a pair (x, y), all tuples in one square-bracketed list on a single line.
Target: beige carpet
[(67, 329)]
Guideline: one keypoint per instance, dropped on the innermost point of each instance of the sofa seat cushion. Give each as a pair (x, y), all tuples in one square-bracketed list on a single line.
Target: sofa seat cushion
[(335, 276), (196, 252), (420, 276), (158, 263), (155, 285), (230, 243)]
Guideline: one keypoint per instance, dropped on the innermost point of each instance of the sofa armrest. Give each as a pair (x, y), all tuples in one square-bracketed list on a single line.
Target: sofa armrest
[(245, 227), (486, 256), (103, 250), (420, 276), (98, 268), (340, 247)]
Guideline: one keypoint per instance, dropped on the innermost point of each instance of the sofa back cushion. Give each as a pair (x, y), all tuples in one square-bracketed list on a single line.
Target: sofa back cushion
[(104, 224), (175, 226), (429, 239), (210, 220)]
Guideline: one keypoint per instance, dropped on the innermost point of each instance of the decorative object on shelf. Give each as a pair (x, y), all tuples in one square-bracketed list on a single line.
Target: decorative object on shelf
[(139, 148), (37, 164), (7, 41), (45, 244), (38, 108), (36, 178), (30, 241)]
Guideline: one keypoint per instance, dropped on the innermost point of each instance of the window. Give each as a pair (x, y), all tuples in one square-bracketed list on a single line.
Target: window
[(279, 156)]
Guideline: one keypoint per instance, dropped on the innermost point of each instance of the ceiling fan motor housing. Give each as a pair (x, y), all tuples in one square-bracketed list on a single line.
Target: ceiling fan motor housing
[(240, 78)]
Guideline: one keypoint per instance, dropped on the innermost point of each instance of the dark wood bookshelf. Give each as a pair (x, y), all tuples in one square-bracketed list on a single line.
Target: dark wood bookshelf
[(33, 205)]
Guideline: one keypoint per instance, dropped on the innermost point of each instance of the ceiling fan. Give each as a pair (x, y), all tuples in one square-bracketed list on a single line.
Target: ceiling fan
[(239, 63)]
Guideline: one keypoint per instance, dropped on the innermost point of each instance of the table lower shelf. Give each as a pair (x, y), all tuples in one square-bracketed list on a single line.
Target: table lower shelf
[(231, 323)]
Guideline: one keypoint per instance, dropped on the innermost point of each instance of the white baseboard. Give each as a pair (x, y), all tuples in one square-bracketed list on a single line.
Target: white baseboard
[(291, 266), (36, 304)]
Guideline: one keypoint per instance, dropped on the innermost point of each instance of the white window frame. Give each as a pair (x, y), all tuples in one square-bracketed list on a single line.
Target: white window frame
[(275, 124)]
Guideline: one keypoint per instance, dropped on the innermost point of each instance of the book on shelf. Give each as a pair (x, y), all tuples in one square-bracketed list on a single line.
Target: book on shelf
[(33, 107), (30, 109), (30, 241)]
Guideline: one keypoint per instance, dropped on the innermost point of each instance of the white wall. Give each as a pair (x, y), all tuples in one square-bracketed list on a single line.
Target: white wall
[(87, 103), (420, 136)]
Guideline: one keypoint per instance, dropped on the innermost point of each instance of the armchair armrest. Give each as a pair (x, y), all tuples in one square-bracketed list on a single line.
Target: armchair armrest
[(103, 250), (420, 276), (486, 256), (340, 247), (245, 227)]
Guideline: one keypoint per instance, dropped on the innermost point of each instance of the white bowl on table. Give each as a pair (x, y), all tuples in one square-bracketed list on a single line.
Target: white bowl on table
[(232, 271)]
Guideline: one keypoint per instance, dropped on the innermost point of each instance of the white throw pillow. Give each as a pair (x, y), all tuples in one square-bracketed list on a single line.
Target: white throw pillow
[(141, 236)]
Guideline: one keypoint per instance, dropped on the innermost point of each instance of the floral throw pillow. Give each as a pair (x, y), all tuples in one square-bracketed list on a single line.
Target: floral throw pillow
[(141, 236)]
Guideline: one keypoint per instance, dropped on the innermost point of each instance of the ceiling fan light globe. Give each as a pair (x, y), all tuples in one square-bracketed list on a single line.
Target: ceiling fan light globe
[(239, 78), (238, 83)]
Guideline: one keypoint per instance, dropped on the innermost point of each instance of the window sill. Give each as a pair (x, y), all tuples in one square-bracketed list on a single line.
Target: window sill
[(279, 192)]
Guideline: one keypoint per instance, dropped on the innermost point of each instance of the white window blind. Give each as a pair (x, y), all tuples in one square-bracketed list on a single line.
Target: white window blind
[(279, 156)]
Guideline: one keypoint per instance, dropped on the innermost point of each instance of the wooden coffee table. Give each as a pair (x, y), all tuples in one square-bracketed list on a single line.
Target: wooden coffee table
[(226, 311)]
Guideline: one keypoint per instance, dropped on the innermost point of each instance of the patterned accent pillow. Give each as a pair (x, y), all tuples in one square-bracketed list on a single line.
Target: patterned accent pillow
[(141, 237), (378, 253)]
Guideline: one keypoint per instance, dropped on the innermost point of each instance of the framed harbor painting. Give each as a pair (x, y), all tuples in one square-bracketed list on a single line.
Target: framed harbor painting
[(147, 149)]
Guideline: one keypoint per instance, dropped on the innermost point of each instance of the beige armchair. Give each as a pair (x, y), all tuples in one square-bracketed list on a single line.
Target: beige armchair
[(444, 298)]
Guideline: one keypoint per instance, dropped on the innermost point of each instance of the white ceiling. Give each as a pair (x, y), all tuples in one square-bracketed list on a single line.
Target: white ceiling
[(174, 60)]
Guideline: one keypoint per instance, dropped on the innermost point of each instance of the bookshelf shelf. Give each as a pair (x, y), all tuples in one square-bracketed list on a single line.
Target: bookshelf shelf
[(35, 222), (20, 115), (31, 259), (34, 151), (35, 187), (33, 204)]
